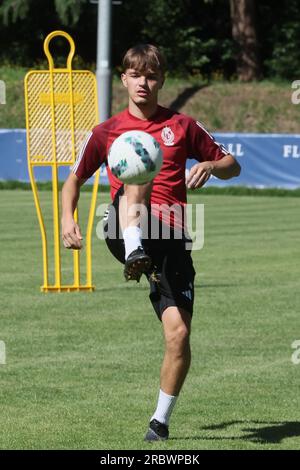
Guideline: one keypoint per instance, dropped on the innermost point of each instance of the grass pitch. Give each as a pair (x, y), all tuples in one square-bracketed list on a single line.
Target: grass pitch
[(82, 369)]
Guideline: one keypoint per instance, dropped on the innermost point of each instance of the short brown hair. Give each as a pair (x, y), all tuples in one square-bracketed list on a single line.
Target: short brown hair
[(144, 57)]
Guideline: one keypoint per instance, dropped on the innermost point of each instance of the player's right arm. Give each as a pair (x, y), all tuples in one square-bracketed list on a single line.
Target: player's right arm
[(91, 156), (71, 234)]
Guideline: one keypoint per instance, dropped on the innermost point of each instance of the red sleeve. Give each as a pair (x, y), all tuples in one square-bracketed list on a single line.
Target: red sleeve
[(90, 158), (201, 144)]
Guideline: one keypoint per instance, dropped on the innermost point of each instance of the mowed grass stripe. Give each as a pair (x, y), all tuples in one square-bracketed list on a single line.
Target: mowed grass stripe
[(82, 369)]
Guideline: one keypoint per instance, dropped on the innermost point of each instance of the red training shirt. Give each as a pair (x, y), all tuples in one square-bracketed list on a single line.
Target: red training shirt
[(179, 136)]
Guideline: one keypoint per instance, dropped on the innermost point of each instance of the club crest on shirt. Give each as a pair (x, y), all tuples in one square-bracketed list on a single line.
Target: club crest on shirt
[(167, 136)]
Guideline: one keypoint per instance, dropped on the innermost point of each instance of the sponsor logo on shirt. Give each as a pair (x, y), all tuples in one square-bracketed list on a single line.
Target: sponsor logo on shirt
[(167, 136)]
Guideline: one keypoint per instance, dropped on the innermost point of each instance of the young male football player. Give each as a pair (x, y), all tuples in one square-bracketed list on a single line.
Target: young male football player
[(163, 259)]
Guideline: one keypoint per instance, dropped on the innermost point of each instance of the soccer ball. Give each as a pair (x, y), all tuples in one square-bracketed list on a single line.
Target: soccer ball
[(135, 157)]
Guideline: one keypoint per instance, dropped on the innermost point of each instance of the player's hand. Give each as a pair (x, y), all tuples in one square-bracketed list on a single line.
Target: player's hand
[(199, 174), (71, 234)]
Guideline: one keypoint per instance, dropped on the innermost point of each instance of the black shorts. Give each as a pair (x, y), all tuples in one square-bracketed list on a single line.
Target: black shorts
[(172, 264)]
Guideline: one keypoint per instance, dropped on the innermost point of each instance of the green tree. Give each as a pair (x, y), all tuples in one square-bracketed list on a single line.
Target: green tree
[(24, 24), (194, 34), (241, 38), (280, 45), (68, 11)]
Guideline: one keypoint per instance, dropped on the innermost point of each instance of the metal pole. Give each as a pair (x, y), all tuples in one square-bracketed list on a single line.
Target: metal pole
[(103, 71)]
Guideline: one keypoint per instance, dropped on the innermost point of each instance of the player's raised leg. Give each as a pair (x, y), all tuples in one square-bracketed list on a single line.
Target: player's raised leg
[(132, 213), (175, 366)]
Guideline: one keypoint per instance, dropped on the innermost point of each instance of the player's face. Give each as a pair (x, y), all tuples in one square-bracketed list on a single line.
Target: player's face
[(142, 86)]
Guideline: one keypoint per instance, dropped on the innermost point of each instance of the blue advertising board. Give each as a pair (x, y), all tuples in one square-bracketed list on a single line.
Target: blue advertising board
[(267, 160)]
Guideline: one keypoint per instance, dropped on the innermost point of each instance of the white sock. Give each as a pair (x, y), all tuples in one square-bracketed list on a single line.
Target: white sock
[(164, 408), (132, 239)]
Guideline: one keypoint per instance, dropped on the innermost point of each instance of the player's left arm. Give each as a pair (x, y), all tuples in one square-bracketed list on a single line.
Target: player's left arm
[(213, 157), (225, 168)]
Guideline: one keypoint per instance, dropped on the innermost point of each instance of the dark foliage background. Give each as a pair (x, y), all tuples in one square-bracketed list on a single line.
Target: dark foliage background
[(196, 35)]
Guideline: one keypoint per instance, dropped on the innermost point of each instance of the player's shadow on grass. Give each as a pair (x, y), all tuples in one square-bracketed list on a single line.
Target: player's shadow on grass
[(260, 432), (184, 96)]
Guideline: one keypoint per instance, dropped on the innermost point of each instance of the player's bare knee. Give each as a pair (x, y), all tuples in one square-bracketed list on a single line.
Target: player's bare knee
[(177, 340), (138, 192)]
